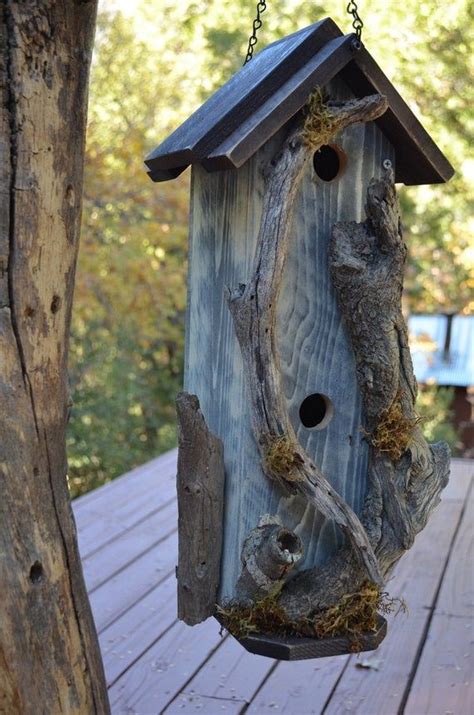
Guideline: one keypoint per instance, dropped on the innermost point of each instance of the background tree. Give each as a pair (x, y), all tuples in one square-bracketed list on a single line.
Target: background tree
[(156, 60), (49, 655)]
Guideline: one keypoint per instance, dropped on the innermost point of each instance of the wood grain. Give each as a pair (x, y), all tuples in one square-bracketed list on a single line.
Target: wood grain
[(241, 116), (240, 97), (49, 653), (315, 353), (126, 587), (200, 484), (164, 668), (231, 678)]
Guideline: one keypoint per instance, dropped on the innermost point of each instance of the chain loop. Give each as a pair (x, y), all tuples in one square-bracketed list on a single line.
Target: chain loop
[(357, 23), (257, 24), (352, 9)]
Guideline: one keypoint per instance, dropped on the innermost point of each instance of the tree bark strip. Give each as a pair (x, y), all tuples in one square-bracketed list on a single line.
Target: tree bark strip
[(49, 654), (200, 484)]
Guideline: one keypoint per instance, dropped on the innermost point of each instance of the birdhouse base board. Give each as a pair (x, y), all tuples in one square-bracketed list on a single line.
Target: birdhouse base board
[(296, 648)]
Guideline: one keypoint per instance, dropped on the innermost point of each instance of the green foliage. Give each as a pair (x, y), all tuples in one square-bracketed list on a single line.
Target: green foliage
[(155, 62), (434, 407)]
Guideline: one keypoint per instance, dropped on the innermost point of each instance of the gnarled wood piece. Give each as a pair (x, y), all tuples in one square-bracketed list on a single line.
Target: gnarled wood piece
[(367, 262), (200, 484), (253, 308), (50, 659), (269, 555)]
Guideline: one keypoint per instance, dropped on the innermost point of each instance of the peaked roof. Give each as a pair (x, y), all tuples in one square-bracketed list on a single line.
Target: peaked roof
[(266, 92)]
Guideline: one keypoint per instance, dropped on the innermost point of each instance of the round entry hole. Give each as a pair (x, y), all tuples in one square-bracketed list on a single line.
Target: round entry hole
[(329, 162), (316, 411)]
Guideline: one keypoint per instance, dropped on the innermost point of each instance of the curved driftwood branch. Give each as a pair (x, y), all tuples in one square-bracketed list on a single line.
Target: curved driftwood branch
[(253, 308), (269, 555), (406, 474)]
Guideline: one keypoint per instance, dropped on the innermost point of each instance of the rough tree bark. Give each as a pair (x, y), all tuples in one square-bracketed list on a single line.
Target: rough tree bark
[(200, 483), (49, 655)]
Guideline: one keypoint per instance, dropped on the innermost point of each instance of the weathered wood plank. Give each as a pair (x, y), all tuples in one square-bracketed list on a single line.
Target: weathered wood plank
[(200, 483), (230, 677), (151, 683), (419, 160), (443, 681), (124, 550), (124, 589), (280, 107), (130, 635), (384, 688), (141, 479), (314, 350), (462, 474), (300, 687), (252, 85), (456, 597)]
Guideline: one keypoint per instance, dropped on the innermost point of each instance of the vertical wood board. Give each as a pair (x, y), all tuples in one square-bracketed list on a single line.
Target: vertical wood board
[(315, 352)]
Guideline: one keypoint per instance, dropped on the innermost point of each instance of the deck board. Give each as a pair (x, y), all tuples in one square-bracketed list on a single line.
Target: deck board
[(155, 664)]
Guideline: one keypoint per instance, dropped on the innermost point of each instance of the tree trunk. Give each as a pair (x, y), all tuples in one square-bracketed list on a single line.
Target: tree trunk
[(49, 655)]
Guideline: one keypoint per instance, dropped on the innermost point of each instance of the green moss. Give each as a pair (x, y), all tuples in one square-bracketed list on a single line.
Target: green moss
[(394, 431), (354, 614)]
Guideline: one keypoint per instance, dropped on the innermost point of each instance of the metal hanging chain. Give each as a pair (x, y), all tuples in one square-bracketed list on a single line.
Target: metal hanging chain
[(352, 9), (357, 23), (257, 24)]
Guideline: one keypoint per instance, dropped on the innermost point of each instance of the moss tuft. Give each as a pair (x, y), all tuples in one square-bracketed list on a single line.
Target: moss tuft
[(394, 431), (282, 459), (354, 614), (318, 128)]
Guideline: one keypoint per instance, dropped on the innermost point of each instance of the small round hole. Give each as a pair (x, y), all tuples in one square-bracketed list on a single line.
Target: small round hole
[(316, 411), (36, 572), (289, 541), (329, 162)]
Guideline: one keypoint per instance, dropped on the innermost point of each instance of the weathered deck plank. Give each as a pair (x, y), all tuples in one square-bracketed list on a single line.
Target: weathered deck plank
[(156, 664), (132, 633), (150, 685), (122, 591), (231, 674), (114, 556), (443, 678)]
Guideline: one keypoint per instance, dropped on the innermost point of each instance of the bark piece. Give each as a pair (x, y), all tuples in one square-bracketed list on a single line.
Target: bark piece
[(253, 308), (367, 262), (200, 483), (49, 654), (269, 555)]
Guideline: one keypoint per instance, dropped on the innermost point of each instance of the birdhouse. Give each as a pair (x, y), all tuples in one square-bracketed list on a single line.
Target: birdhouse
[(303, 474)]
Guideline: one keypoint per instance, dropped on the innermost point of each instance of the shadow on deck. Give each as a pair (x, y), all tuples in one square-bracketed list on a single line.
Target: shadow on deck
[(155, 664)]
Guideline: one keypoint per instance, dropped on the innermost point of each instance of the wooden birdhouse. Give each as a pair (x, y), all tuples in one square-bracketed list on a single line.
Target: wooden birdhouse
[(304, 475)]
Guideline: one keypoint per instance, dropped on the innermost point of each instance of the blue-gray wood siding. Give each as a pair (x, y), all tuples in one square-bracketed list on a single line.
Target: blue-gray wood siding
[(315, 353)]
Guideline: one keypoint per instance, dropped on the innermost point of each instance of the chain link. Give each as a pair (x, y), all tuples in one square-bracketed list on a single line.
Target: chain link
[(357, 23), (257, 24), (352, 9)]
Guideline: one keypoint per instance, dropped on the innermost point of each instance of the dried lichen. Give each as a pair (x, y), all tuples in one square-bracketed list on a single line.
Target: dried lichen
[(355, 614), (394, 431), (319, 126), (282, 459)]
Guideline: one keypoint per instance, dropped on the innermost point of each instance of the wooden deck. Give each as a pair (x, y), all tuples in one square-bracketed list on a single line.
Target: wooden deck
[(155, 664)]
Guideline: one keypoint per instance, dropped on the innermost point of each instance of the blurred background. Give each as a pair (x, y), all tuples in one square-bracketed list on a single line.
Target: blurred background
[(155, 62)]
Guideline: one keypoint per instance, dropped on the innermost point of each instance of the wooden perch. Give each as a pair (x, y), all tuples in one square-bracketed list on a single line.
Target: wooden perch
[(200, 483), (269, 555), (406, 474), (253, 308)]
